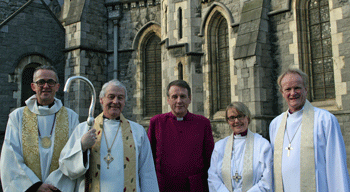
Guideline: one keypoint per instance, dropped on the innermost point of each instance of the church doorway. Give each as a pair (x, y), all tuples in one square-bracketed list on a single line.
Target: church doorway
[(27, 79)]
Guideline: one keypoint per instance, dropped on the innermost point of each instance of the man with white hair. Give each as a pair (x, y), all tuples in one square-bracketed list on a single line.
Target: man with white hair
[(309, 150), (120, 156)]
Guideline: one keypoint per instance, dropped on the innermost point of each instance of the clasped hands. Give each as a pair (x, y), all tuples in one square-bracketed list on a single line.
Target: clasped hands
[(47, 187), (88, 139)]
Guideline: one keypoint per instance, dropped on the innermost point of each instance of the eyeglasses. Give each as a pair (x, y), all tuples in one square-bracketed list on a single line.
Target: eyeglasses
[(49, 82), (239, 117)]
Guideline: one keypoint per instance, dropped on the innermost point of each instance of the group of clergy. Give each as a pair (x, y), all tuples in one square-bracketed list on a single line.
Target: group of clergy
[(46, 149), (306, 150)]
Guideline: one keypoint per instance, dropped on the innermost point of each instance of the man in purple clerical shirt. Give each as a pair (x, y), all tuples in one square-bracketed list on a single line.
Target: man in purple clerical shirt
[(181, 143)]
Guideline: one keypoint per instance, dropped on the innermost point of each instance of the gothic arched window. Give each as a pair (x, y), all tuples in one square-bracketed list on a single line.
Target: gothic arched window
[(219, 65), (152, 77), (320, 43), (223, 66)]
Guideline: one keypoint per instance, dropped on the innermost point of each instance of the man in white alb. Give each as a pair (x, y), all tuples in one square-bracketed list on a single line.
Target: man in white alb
[(35, 136), (115, 155), (309, 150)]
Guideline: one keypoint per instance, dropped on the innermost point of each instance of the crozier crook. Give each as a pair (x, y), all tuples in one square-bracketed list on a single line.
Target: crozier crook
[(90, 119)]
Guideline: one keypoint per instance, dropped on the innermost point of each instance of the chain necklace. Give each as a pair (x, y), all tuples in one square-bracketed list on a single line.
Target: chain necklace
[(236, 177), (46, 141), (109, 158), (290, 141)]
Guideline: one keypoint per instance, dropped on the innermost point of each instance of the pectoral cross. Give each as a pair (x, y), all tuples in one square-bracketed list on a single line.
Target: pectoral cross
[(236, 177), (108, 158), (289, 148)]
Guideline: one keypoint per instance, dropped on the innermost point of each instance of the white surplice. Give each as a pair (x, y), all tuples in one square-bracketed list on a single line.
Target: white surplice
[(330, 155), (262, 164), (15, 175), (112, 179)]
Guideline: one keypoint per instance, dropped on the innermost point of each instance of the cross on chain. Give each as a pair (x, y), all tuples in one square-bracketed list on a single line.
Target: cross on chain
[(236, 177), (289, 148), (108, 158)]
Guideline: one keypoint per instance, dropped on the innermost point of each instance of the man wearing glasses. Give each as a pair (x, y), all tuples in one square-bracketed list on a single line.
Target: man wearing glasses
[(35, 136)]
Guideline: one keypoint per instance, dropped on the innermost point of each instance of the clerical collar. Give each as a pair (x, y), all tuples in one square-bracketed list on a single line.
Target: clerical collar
[(184, 118), (243, 133), (49, 106), (118, 118), (295, 112)]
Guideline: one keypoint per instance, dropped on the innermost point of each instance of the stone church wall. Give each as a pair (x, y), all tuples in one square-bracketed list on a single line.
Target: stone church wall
[(33, 31), (344, 122), (134, 18), (86, 52), (8, 7), (280, 38)]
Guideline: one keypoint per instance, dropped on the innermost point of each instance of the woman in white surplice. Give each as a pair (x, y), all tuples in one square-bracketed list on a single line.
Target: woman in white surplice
[(243, 160)]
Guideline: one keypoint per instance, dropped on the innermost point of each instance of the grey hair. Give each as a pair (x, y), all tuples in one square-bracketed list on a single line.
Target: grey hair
[(113, 82), (293, 71), (45, 67), (241, 108)]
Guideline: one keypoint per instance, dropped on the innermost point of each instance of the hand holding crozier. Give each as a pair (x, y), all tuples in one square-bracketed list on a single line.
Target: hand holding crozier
[(88, 139)]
